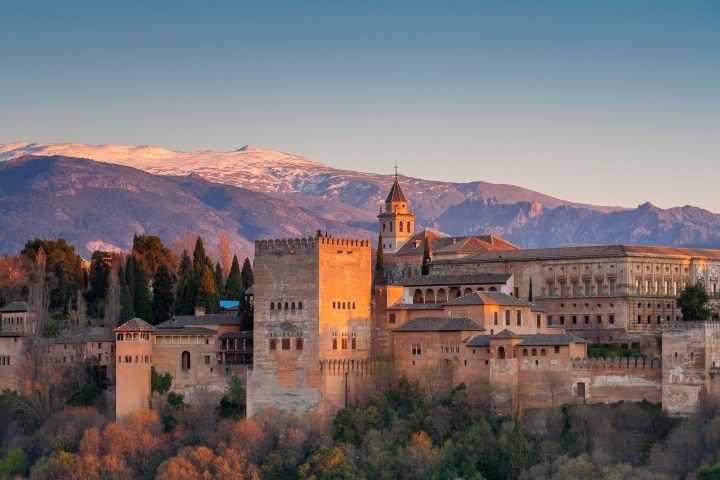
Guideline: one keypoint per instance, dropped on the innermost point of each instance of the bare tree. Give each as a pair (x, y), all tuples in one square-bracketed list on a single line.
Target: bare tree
[(77, 326), (436, 379), (112, 301)]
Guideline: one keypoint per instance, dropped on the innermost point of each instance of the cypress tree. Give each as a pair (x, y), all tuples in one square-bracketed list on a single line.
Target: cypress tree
[(207, 294), (425, 269), (530, 291), (248, 278), (142, 301), (218, 277), (234, 289), (380, 263), (162, 301), (187, 287), (199, 257)]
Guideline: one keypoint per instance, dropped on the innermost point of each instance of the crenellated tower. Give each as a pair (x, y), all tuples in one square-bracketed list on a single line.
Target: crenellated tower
[(397, 222)]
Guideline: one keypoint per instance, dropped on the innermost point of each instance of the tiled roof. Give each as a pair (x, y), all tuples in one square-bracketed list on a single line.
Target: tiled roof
[(16, 307), (185, 331), (396, 194), (551, 339), (467, 279), (507, 334), (135, 325), (415, 306), (228, 335), (480, 341), (593, 251), (488, 298), (181, 321), (439, 242), (440, 324)]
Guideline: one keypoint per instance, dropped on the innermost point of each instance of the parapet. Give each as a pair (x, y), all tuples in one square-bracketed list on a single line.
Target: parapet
[(616, 363), (297, 245)]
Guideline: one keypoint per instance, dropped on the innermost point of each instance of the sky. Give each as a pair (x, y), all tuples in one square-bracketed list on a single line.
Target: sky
[(609, 103)]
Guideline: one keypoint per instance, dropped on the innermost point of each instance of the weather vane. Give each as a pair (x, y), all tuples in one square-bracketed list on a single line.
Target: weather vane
[(395, 170)]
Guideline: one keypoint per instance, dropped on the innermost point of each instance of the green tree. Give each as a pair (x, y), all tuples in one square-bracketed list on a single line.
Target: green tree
[(63, 267), (379, 278), (693, 302), (126, 301), (98, 281), (187, 290), (530, 293), (234, 289), (14, 464), (207, 294), (160, 382), (219, 280), (137, 281), (425, 269), (151, 254), (162, 300), (199, 257), (248, 277)]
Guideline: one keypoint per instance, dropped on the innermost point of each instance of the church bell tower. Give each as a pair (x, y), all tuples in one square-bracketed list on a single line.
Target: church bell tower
[(397, 222)]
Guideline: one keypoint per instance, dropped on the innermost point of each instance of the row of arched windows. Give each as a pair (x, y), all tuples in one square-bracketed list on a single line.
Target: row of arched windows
[(288, 306), (402, 226), (132, 336), (533, 352), (129, 359), (344, 305)]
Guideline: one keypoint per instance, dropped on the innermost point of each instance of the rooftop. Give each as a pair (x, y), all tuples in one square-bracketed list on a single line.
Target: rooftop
[(396, 194), (185, 331), (182, 321), (466, 279), (440, 324), (135, 325), (230, 335), (488, 298), (551, 339), (415, 306), (16, 307)]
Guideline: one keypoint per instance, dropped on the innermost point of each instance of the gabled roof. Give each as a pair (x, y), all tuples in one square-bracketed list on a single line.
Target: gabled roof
[(135, 325), (488, 298), (507, 334), (480, 341), (185, 331), (466, 279), (16, 307), (440, 324), (228, 335), (181, 321), (396, 194), (442, 243)]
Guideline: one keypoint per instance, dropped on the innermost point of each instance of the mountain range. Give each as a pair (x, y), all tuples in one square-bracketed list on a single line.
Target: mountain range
[(251, 193)]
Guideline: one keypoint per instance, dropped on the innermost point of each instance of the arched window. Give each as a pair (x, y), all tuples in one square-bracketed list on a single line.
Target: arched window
[(543, 353), (480, 289), (279, 306), (272, 305), (185, 360), (383, 226), (493, 289), (501, 352), (401, 226), (333, 304), (353, 306), (534, 352), (286, 305), (418, 296), (299, 305), (292, 306), (467, 291), (525, 352), (120, 337), (409, 229), (390, 225), (442, 296), (429, 296)]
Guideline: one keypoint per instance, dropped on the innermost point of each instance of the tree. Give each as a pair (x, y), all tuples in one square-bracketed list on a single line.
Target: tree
[(112, 300), (379, 278), (219, 280), (187, 290), (207, 294), (137, 282), (77, 325), (199, 257), (162, 300), (225, 252), (693, 301), (151, 254), (530, 293), (425, 269), (63, 268), (248, 278), (98, 280), (234, 289)]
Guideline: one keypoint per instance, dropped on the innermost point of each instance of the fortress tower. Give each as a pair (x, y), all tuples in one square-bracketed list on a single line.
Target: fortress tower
[(397, 223), (134, 356), (312, 323)]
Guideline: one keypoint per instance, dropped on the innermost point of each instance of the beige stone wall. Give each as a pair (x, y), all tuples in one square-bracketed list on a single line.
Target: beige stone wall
[(132, 385)]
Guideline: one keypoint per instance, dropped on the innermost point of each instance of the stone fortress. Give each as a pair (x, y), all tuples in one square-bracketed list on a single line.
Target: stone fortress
[(513, 323)]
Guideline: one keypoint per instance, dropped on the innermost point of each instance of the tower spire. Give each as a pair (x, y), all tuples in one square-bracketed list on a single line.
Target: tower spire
[(396, 174)]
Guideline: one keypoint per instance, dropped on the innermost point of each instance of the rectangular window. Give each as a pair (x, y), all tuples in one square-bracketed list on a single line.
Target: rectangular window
[(551, 289), (519, 318), (334, 343), (415, 349), (392, 318), (537, 320), (298, 344), (611, 319), (207, 359), (344, 343), (517, 292), (598, 319), (574, 319), (562, 319), (557, 349), (562, 289), (587, 319), (507, 317), (128, 358), (612, 287), (353, 343), (587, 288), (575, 289), (495, 317), (550, 320), (286, 344), (639, 319), (599, 287), (273, 344)]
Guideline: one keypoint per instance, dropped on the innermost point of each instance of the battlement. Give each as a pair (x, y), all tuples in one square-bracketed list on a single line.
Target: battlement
[(615, 363), (297, 245), (685, 326)]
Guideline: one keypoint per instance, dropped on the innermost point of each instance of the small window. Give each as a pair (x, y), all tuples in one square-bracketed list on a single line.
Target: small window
[(334, 343), (286, 344), (543, 353), (185, 360), (344, 343), (587, 319), (534, 352), (298, 344), (415, 349), (392, 318), (611, 319), (286, 305), (272, 305), (273, 344), (557, 349), (525, 352), (299, 305), (353, 305), (353, 344), (207, 359), (292, 306), (333, 304), (519, 318)]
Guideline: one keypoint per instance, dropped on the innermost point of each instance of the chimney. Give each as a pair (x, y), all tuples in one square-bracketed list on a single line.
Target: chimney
[(199, 311)]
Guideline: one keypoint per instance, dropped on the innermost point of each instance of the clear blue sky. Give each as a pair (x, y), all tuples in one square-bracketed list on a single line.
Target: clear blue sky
[(604, 102)]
